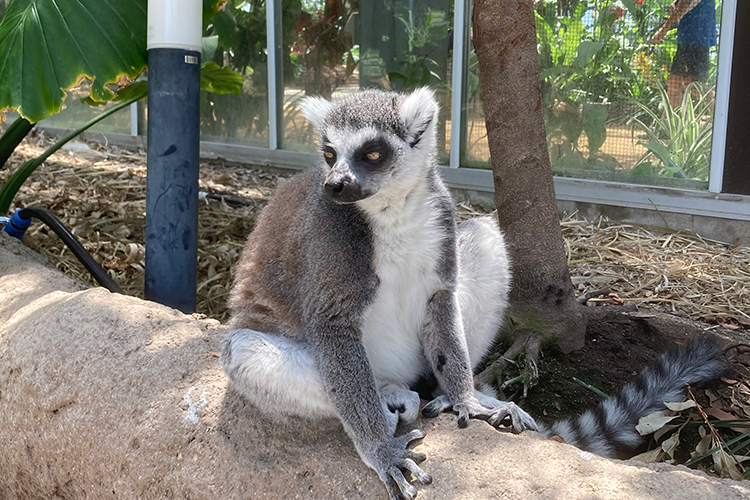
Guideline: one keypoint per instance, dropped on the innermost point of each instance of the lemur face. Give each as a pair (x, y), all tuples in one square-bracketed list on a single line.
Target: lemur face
[(371, 137), (359, 162)]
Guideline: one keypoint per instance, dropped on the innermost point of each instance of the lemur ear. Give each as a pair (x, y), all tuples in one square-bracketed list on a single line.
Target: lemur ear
[(315, 110), (419, 111)]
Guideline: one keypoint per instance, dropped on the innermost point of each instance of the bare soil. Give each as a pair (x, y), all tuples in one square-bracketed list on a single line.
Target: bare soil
[(618, 345)]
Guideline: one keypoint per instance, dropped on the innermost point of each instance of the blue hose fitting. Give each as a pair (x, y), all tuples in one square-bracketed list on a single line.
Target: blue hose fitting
[(17, 226)]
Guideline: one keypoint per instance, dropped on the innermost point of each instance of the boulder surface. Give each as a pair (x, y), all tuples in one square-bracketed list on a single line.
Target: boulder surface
[(104, 396)]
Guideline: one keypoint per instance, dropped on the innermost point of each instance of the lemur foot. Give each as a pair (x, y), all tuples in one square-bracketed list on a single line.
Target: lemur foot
[(496, 413), (403, 402), (391, 458)]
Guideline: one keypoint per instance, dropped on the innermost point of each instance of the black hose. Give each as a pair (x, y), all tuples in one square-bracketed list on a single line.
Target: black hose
[(99, 274)]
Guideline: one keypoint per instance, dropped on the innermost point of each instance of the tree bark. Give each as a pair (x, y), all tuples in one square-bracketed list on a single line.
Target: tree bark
[(506, 47)]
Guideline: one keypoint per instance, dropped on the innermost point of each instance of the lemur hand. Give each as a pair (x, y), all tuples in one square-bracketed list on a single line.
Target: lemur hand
[(501, 414), (389, 458)]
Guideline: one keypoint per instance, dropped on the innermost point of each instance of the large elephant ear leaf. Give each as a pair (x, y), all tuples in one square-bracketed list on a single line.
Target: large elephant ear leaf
[(46, 46)]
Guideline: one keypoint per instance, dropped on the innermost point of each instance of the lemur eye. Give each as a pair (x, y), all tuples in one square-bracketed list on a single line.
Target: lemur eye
[(373, 155), (328, 154)]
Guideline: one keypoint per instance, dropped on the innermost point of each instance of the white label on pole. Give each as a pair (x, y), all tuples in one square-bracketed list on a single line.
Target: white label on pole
[(175, 24)]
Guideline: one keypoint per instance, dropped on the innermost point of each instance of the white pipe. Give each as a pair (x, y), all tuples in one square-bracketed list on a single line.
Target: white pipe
[(134, 119), (459, 32), (175, 24), (721, 108), (273, 118)]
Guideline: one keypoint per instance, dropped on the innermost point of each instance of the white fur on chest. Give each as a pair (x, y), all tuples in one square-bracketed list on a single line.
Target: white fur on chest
[(407, 248)]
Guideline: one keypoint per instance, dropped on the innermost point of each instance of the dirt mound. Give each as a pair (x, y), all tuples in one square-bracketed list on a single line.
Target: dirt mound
[(106, 396)]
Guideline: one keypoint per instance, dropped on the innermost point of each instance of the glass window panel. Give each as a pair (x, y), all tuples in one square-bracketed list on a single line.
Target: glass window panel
[(236, 38), (617, 105), (337, 47), (475, 151), (76, 113)]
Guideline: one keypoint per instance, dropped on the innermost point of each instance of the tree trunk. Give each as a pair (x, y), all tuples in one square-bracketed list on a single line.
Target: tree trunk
[(542, 293)]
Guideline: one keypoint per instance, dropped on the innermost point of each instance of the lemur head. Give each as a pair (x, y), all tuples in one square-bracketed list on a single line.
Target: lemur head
[(374, 141)]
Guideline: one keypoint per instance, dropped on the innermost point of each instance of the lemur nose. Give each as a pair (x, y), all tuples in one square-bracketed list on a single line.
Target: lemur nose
[(344, 189), (335, 187)]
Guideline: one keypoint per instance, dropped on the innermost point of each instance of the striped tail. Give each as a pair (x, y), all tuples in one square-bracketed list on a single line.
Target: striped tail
[(609, 429)]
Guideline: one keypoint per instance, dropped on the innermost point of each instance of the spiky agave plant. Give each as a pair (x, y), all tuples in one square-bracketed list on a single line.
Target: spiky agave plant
[(679, 138)]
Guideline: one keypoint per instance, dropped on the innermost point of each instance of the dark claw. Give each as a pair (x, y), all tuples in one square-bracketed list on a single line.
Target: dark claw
[(463, 421)]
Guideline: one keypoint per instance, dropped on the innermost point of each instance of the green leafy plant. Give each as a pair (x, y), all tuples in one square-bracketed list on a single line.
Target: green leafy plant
[(415, 67), (325, 52), (49, 47), (601, 51), (566, 125), (596, 59), (15, 181), (678, 139)]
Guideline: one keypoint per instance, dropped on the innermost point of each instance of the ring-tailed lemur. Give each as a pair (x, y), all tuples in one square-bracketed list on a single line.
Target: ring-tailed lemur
[(356, 288)]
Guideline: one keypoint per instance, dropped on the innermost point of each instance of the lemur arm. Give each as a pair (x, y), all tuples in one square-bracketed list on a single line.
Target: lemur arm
[(444, 343), (445, 347), (348, 378)]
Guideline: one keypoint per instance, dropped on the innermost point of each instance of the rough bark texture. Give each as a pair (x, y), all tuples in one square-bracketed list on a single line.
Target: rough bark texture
[(104, 396), (505, 44)]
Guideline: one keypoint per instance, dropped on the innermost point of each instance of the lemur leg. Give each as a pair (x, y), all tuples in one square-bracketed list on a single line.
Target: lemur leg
[(483, 283), (483, 287), (278, 376)]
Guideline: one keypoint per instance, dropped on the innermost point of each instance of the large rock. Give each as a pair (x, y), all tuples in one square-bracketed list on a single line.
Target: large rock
[(105, 396)]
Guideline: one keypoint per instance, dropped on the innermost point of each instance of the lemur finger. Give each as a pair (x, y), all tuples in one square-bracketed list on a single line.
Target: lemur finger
[(517, 424), (527, 420), (410, 413), (410, 436), (392, 419), (436, 407), (393, 492), (418, 473), (407, 491), (416, 456), (463, 416)]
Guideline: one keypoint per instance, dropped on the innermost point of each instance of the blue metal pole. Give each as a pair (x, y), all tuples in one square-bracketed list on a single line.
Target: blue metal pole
[(173, 157)]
